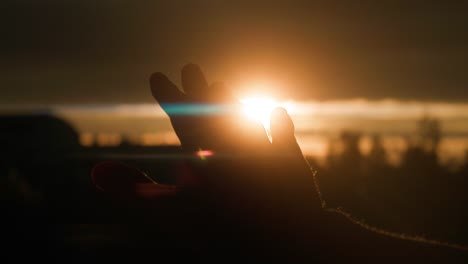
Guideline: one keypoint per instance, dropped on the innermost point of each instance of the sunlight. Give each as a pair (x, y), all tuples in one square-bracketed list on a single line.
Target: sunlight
[(259, 108)]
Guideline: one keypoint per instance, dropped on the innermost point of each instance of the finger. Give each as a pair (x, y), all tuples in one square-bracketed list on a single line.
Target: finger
[(211, 111), (292, 162), (174, 103), (164, 91), (194, 81), (282, 131), (282, 127)]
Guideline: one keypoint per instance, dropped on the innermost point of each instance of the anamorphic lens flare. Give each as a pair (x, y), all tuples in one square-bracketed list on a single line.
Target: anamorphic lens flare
[(195, 109)]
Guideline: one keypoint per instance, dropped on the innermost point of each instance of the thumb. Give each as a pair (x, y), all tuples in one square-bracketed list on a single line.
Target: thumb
[(282, 132), (301, 180)]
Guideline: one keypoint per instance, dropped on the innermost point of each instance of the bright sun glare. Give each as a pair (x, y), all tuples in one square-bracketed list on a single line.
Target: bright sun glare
[(259, 108)]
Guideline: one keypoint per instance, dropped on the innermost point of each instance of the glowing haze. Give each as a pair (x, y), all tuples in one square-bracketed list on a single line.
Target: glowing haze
[(259, 108), (316, 122)]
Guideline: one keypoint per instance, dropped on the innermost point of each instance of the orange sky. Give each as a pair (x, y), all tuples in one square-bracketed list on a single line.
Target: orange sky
[(316, 123)]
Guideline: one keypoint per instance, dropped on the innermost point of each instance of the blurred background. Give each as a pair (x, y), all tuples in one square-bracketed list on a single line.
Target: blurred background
[(378, 93)]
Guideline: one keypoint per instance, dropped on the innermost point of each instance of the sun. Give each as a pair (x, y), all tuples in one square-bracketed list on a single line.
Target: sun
[(259, 108)]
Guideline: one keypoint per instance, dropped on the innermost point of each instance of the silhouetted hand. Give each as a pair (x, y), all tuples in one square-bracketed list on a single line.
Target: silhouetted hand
[(237, 190), (266, 184), (235, 186), (207, 119), (266, 191)]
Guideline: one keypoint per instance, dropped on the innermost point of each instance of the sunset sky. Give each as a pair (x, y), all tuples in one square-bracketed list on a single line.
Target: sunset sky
[(370, 66), (104, 51)]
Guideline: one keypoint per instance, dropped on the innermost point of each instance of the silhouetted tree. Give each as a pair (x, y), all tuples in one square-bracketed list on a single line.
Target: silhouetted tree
[(421, 159), (377, 156), (351, 152), (429, 133)]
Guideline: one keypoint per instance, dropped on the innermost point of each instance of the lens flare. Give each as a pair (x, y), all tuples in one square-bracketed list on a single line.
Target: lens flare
[(203, 153), (259, 108)]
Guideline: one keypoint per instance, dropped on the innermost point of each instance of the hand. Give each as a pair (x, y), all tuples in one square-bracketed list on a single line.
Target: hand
[(266, 186), (247, 173), (250, 193), (249, 184)]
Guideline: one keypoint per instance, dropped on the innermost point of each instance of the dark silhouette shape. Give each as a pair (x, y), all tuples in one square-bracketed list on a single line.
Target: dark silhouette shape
[(429, 134), (36, 134), (38, 147), (251, 199), (377, 155), (418, 196), (41, 180), (258, 199)]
